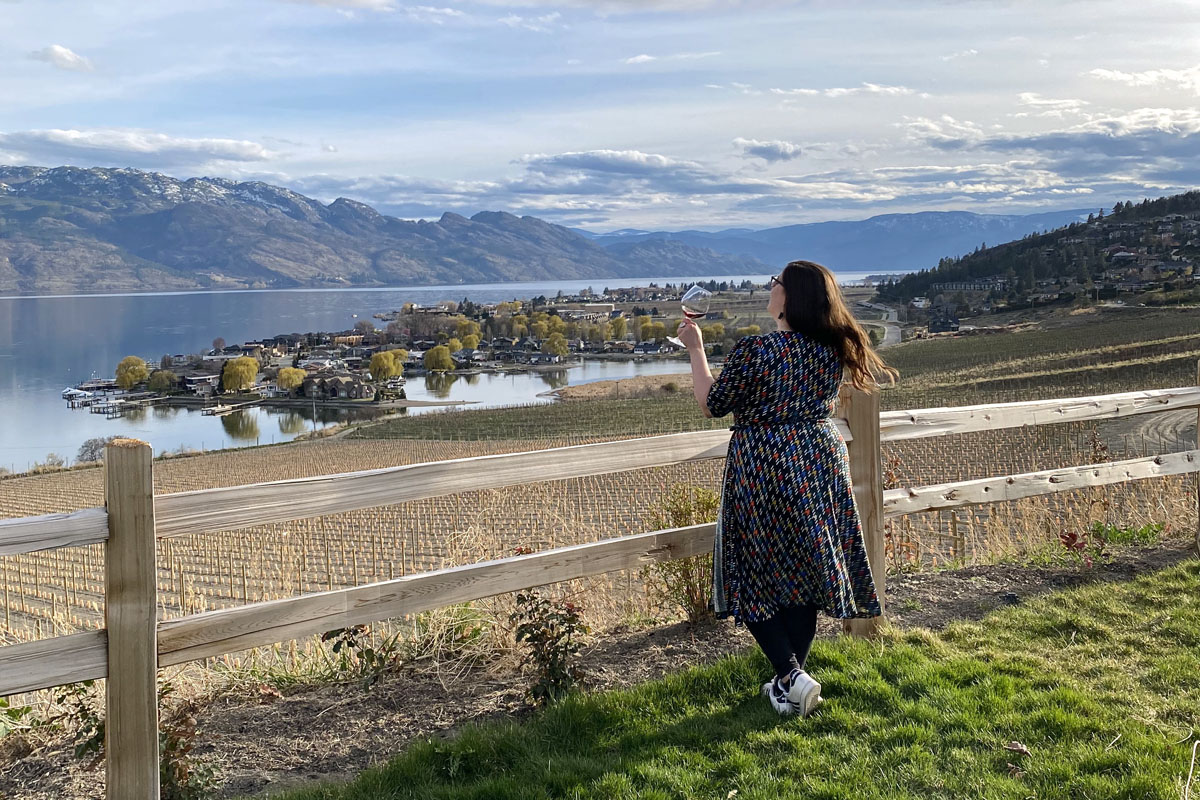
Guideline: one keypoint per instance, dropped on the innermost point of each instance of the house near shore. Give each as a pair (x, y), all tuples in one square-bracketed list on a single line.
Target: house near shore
[(535, 359), (202, 385), (321, 363), (468, 356), (338, 387)]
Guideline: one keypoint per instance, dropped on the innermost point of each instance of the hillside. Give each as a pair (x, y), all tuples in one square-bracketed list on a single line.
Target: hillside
[(1155, 241), (68, 230), (884, 243)]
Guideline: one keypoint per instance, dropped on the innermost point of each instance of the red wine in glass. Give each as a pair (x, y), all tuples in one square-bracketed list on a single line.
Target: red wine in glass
[(695, 303)]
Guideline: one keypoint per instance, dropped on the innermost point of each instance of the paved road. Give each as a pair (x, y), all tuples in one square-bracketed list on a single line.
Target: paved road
[(891, 324)]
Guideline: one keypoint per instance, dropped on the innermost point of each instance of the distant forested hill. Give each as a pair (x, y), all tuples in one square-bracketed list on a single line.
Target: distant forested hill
[(1166, 229)]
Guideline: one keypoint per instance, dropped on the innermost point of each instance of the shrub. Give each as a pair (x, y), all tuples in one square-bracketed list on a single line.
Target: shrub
[(53, 463), (1112, 534), (180, 775), (551, 629), (670, 387), (93, 449), (685, 582)]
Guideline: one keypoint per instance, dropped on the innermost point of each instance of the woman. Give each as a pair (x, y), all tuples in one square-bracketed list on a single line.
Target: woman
[(789, 542)]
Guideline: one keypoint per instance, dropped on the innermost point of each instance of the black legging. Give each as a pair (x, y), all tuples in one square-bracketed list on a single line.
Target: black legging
[(787, 637)]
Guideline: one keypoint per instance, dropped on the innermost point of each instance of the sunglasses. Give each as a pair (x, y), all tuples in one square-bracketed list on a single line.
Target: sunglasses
[(771, 281)]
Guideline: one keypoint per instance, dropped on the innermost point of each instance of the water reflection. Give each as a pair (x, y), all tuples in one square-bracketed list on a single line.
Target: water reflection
[(292, 423), (438, 384), (165, 412), (240, 426), (555, 379)]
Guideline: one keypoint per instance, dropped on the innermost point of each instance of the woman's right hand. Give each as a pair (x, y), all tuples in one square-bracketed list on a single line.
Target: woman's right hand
[(689, 334)]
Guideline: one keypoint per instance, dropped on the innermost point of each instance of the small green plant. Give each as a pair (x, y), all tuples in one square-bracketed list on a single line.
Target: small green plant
[(81, 716), (180, 775), (1085, 546), (15, 718), (685, 582), (670, 387), (356, 658), (1149, 533), (551, 630)]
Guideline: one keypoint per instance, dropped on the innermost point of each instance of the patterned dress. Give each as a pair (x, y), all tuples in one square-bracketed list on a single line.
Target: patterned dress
[(789, 533)]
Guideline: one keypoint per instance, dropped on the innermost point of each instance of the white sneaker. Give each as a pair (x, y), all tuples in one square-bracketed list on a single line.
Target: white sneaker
[(778, 697), (804, 693)]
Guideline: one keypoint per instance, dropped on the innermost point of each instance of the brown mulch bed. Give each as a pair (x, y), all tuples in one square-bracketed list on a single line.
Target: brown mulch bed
[(265, 744)]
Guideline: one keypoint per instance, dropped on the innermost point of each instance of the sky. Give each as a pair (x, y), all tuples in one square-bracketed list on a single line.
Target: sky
[(610, 114)]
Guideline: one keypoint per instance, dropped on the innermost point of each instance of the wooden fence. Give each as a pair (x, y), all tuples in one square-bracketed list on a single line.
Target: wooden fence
[(134, 644)]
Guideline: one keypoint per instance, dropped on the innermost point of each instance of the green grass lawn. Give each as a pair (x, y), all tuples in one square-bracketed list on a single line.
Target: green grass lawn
[(1101, 684)]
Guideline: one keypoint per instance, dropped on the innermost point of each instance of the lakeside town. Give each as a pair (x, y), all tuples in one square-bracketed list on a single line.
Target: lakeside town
[(369, 365)]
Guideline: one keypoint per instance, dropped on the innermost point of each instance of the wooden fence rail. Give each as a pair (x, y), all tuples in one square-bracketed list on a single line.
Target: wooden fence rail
[(133, 645)]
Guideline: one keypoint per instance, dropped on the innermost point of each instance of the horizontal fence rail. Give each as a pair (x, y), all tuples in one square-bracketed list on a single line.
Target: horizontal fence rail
[(228, 630), (899, 502), (46, 663), (281, 501), (51, 531), (927, 422)]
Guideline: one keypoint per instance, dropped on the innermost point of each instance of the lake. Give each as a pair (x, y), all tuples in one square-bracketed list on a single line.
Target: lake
[(49, 343)]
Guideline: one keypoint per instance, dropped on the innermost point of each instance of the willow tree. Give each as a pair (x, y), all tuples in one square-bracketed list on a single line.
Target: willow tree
[(556, 345), (163, 380), (383, 365), (131, 371), (239, 374), (290, 378), (438, 359)]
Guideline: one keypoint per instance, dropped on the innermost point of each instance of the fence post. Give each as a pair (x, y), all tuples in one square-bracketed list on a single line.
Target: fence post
[(1198, 473), (861, 411), (131, 729)]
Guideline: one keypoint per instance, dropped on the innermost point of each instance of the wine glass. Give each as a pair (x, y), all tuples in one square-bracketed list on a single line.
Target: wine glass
[(695, 305)]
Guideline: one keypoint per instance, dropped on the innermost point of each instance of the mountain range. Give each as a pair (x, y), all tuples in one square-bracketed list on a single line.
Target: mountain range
[(72, 230), (68, 230), (887, 243)]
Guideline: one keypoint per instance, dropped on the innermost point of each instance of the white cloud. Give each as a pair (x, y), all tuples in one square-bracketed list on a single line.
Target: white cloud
[(62, 58), (1187, 79), (866, 88), (945, 132), (961, 54), (124, 147), (543, 24), (364, 5), (434, 16), (1048, 107), (870, 88), (645, 59), (745, 88), (771, 151)]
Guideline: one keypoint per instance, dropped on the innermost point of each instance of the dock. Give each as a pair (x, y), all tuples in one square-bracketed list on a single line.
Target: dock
[(113, 407), (222, 410)]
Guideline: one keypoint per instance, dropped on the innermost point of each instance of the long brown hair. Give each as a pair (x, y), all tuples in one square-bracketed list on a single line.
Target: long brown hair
[(814, 307)]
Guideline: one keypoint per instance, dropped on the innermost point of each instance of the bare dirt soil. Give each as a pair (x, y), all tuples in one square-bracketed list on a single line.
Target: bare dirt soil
[(263, 743)]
